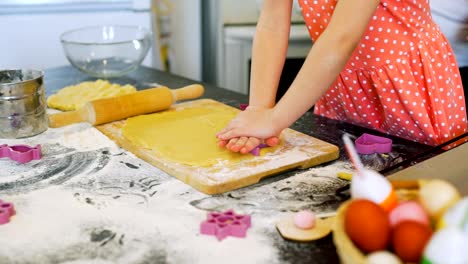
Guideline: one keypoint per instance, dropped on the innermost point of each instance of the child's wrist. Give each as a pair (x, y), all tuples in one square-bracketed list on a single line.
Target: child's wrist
[(279, 121), (254, 107)]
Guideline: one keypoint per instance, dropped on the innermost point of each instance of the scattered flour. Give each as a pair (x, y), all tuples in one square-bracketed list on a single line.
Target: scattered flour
[(111, 212)]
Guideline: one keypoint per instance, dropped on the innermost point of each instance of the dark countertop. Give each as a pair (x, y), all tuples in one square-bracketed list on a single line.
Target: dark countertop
[(316, 126), (287, 192)]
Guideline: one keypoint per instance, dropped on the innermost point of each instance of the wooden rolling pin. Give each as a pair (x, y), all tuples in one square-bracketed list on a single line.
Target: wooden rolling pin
[(106, 110)]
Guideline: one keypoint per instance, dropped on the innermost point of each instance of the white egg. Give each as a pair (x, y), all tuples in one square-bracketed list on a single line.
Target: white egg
[(383, 257), (456, 216), (447, 245), (370, 185)]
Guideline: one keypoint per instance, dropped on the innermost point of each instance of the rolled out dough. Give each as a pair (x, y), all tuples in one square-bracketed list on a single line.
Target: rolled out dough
[(186, 135)]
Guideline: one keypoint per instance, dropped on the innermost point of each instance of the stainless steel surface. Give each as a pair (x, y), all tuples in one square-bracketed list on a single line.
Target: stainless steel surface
[(22, 103)]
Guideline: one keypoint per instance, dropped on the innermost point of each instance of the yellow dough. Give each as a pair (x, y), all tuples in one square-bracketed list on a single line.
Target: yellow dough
[(184, 136), (75, 96)]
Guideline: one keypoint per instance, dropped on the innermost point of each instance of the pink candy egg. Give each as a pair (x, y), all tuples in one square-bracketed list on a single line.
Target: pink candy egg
[(408, 211), (304, 219)]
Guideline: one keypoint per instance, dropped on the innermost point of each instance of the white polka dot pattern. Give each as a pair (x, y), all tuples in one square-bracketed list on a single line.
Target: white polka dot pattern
[(402, 78)]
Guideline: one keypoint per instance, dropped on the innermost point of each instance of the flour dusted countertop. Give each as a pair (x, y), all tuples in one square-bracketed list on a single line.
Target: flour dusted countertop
[(89, 201)]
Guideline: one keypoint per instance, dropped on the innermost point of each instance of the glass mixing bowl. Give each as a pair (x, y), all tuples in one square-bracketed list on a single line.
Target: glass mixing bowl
[(106, 51)]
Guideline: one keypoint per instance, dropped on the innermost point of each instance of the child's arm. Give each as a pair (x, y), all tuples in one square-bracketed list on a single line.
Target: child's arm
[(268, 55), (269, 52), (324, 62), (326, 59)]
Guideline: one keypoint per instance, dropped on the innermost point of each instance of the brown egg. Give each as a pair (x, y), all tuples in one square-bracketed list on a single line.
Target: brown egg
[(409, 239), (367, 225)]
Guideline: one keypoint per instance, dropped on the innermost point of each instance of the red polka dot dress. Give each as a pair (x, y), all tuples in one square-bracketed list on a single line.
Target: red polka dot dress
[(402, 78)]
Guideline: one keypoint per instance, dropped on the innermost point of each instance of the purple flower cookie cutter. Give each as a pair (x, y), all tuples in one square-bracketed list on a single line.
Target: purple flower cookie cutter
[(225, 224), (20, 153), (256, 150), (7, 210), (368, 144)]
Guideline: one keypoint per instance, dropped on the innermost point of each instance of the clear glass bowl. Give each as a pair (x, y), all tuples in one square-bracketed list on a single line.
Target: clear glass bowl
[(106, 51)]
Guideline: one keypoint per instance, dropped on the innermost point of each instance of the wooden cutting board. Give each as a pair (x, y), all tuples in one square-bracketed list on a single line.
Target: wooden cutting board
[(298, 150)]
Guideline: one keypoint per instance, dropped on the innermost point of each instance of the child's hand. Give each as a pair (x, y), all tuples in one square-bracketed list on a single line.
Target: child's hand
[(244, 144), (246, 131)]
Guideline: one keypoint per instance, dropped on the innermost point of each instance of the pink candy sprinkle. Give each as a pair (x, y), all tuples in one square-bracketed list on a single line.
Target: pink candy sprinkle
[(304, 219)]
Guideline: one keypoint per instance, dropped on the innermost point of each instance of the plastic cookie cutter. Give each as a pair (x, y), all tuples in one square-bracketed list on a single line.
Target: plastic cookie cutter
[(225, 224), (256, 150), (368, 144), (7, 210), (20, 153), (243, 106)]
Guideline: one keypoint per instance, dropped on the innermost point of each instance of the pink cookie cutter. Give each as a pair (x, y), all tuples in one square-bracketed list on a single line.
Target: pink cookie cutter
[(256, 150), (225, 224), (368, 144), (7, 210), (20, 153)]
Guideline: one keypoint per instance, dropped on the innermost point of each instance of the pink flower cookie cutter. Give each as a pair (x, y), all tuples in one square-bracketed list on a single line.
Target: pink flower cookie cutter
[(7, 210), (368, 144), (256, 150), (225, 224), (20, 153)]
